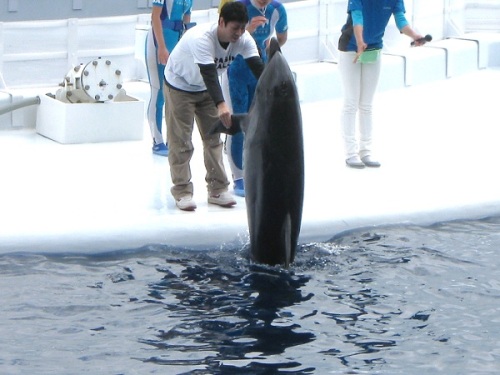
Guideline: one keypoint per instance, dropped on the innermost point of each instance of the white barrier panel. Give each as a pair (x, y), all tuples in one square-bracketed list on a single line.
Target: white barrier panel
[(482, 15), (428, 17), (34, 54), (461, 55), (33, 51), (489, 48), (40, 53), (454, 17)]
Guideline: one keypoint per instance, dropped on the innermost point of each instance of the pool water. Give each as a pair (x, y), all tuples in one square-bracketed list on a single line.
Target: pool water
[(388, 300)]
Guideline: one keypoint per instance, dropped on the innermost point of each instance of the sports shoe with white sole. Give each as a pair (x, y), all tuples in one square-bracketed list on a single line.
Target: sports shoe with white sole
[(186, 203), (160, 149), (223, 199), (355, 162), (239, 188), (369, 162)]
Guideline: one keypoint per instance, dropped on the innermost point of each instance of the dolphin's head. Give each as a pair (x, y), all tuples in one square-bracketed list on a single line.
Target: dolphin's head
[(272, 48)]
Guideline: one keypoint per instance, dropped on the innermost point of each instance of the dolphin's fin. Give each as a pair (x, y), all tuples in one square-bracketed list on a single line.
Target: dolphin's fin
[(237, 127)]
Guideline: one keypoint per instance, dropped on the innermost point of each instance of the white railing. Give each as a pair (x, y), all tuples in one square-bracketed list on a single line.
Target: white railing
[(40, 53), (482, 15)]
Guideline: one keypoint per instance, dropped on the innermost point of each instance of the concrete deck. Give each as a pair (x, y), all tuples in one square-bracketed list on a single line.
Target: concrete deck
[(437, 142)]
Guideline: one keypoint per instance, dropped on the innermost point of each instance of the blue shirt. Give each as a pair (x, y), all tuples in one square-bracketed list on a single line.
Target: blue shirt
[(276, 15), (376, 15), (173, 10)]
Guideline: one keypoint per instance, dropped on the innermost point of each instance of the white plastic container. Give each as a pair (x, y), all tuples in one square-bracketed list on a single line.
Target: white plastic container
[(118, 120)]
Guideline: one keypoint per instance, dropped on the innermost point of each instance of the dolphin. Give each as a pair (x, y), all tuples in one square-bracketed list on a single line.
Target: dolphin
[(273, 163)]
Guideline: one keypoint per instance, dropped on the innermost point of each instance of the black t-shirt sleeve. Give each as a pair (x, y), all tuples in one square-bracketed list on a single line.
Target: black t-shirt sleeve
[(211, 79), (256, 65)]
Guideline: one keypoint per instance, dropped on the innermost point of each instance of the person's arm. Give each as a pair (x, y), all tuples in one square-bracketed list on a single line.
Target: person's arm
[(405, 28), (255, 23), (158, 33), (256, 65), (211, 79), (408, 31), (282, 38), (357, 22), (186, 20), (281, 26)]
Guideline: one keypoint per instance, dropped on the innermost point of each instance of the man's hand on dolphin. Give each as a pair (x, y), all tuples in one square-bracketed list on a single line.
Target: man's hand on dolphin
[(224, 114)]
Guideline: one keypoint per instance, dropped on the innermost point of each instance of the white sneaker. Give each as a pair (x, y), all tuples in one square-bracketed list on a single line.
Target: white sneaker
[(355, 162), (185, 203), (370, 162), (223, 199)]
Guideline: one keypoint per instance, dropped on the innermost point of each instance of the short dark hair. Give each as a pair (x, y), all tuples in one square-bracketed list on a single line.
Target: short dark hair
[(234, 11)]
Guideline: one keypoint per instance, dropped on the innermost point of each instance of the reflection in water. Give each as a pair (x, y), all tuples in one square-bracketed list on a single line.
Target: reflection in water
[(229, 316)]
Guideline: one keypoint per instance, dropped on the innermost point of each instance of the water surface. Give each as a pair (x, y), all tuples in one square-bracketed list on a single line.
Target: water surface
[(393, 300)]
